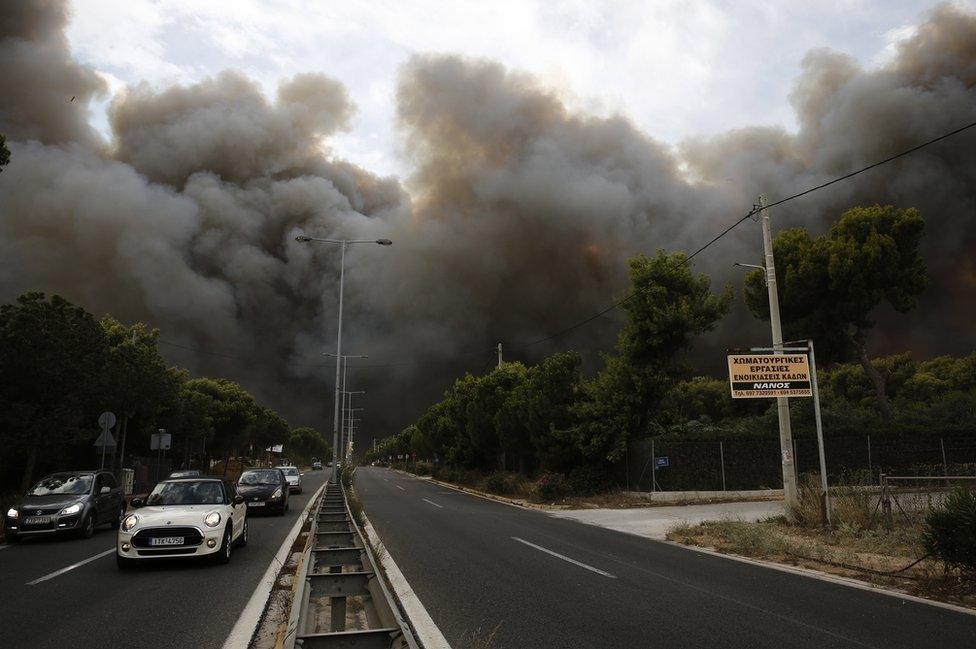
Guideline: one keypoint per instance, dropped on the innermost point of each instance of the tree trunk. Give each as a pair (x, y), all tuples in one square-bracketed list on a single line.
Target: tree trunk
[(884, 406)]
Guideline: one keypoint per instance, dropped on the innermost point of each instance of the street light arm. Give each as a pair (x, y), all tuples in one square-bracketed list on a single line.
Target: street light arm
[(304, 238)]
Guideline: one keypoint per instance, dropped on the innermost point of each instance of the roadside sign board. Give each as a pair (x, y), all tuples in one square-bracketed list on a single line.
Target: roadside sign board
[(661, 462), (759, 376), (160, 441)]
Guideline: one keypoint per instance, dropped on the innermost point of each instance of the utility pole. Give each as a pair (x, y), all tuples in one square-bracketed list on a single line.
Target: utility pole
[(782, 403), (499, 356)]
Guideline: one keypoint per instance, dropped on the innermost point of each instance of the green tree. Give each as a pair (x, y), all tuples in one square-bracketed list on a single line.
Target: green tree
[(188, 417), (830, 286), (52, 360), (140, 382), (538, 413), (232, 411), (670, 306), (307, 443)]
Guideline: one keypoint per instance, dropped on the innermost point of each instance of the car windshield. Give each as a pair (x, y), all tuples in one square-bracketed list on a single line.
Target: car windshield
[(268, 476), (64, 484), (184, 474), (290, 471), (187, 492)]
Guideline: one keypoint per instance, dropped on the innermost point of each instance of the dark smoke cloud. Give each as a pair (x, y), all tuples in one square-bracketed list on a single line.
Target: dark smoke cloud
[(516, 220)]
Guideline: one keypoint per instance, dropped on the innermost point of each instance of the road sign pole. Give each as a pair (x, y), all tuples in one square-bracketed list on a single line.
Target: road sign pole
[(820, 439), (653, 468), (782, 403)]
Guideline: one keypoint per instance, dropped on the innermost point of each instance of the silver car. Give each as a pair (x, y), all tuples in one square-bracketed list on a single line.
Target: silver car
[(293, 477)]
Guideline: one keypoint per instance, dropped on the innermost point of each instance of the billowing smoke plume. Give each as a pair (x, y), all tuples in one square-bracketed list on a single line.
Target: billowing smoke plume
[(515, 222)]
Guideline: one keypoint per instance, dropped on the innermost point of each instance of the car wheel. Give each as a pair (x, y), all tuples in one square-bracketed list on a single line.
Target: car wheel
[(123, 563), (87, 526), (223, 556), (242, 541), (118, 521)]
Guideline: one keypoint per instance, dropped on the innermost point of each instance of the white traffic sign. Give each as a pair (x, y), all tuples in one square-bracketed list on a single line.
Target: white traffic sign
[(757, 376), (106, 420), (105, 439)]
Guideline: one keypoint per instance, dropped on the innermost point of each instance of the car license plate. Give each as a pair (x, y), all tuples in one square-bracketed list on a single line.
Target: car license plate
[(256, 504), (167, 540), (37, 520)]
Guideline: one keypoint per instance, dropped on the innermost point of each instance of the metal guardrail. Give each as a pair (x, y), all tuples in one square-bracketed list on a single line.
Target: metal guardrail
[(342, 600)]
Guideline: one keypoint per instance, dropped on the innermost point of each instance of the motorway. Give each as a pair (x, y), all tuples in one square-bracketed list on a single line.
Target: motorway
[(493, 575), (178, 603)]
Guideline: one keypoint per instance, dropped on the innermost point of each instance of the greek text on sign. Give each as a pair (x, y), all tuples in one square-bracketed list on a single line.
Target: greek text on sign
[(754, 376)]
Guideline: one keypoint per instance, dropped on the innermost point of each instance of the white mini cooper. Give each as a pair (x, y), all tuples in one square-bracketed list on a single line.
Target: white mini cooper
[(183, 517)]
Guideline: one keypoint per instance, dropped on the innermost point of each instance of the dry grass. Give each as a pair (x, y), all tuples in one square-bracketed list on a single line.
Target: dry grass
[(848, 550)]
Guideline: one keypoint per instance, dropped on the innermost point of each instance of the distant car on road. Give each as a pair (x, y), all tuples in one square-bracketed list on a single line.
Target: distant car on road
[(190, 473), (294, 478), (69, 501), (182, 517), (264, 490), (317, 465)]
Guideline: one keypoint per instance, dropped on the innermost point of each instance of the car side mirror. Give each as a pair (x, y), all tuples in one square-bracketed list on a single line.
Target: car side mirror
[(238, 500), (135, 503), (105, 490)]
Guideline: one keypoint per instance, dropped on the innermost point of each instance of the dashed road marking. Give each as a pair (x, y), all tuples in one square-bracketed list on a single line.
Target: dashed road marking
[(564, 558)]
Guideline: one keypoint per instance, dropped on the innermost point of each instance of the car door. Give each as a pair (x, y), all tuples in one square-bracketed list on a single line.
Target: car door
[(238, 512), (116, 500), (105, 505)]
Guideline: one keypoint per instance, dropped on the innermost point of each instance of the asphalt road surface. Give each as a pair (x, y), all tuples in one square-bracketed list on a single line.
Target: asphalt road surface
[(179, 603), (496, 576)]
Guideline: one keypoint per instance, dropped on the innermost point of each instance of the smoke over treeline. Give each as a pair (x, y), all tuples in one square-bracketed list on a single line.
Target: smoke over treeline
[(515, 222)]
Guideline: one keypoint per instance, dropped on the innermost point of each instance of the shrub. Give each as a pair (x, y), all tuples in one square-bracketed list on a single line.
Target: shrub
[(346, 476), (495, 483), (588, 480), (552, 486), (950, 531), (423, 468)]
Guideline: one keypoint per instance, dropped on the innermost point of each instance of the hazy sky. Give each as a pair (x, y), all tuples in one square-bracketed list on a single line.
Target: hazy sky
[(676, 67)]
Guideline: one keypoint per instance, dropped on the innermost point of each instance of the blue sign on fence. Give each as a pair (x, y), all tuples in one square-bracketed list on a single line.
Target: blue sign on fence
[(661, 462)]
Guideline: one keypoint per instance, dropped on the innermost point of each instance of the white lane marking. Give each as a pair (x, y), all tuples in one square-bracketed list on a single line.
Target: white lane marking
[(400, 488), (57, 573), (240, 635), (4, 546), (564, 558), (427, 632), (432, 503)]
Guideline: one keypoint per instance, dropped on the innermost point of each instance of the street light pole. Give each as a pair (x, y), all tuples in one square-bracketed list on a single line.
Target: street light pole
[(342, 272), (782, 403)]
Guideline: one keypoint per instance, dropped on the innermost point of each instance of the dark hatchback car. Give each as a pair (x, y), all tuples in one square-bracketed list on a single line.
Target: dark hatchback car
[(264, 490), (70, 501)]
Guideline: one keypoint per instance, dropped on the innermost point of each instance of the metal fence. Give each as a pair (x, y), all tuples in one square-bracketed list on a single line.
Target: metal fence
[(739, 464), (909, 498)]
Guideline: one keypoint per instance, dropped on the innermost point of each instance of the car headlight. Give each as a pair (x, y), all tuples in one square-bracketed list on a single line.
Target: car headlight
[(277, 494), (71, 509), (13, 513), (212, 519), (129, 522)]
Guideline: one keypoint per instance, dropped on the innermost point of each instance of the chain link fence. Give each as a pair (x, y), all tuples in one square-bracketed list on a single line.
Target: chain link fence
[(662, 464)]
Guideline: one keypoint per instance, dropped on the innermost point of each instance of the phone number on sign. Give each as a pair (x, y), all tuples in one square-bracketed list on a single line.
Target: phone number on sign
[(771, 393)]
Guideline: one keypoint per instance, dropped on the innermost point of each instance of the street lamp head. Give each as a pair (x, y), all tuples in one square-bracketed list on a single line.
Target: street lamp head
[(384, 242), (302, 238)]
